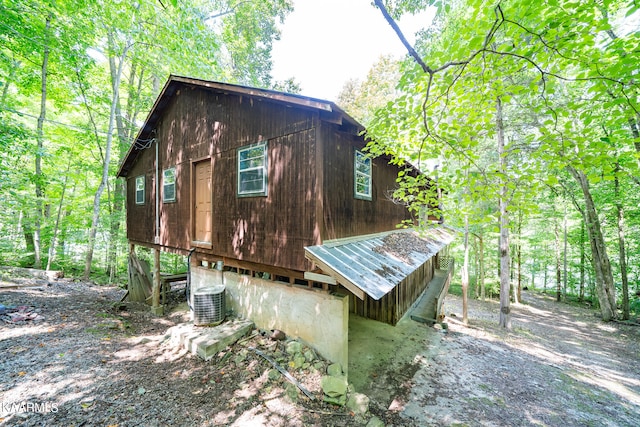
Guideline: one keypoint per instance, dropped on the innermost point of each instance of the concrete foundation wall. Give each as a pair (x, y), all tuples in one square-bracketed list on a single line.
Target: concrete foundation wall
[(317, 318)]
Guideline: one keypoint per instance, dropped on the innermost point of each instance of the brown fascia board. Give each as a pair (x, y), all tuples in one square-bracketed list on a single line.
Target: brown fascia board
[(329, 111), (146, 128)]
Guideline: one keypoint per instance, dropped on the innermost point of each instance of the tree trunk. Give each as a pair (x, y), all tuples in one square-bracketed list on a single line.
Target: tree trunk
[(564, 256), (505, 310), (5, 87), (513, 271), (116, 74), (27, 232), (52, 247), (125, 134), (39, 178), (622, 251), (519, 257), (464, 274), (534, 268), (582, 260), (545, 270), (556, 229), (483, 288), (605, 287)]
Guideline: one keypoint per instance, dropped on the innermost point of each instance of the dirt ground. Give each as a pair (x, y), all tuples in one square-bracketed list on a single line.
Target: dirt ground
[(559, 366), (85, 360)]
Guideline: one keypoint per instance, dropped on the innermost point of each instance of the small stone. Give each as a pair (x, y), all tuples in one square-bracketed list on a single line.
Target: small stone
[(334, 370), (293, 347), (334, 386), (438, 326), (358, 403), (375, 422), (141, 391), (278, 335)]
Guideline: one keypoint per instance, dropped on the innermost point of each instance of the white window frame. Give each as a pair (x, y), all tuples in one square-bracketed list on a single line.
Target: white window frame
[(140, 180), (168, 181), (251, 166), (362, 170)]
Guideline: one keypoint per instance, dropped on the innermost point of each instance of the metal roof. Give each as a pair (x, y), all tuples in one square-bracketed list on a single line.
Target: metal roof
[(375, 264)]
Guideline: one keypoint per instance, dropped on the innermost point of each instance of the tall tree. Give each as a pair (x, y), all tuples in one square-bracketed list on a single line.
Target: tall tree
[(622, 247), (559, 78), (79, 78), (505, 284)]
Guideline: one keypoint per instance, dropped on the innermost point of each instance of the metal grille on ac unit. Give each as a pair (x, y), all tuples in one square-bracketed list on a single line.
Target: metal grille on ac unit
[(209, 306)]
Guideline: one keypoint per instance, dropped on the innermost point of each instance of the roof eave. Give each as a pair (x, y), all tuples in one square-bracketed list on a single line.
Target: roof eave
[(330, 111)]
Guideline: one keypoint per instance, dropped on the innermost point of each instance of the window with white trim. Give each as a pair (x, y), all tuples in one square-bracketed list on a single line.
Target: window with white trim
[(362, 176), (140, 190), (252, 170), (169, 185)]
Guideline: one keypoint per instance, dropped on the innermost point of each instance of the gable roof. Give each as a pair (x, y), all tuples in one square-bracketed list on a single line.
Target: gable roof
[(328, 110)]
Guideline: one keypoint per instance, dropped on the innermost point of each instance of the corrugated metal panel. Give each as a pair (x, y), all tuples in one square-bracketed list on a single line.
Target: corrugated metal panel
[(376, 264)]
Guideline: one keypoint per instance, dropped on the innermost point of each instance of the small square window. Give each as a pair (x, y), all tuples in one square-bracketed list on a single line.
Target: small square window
[(169, 185), (140, 190), (362, 176), (252, 170)]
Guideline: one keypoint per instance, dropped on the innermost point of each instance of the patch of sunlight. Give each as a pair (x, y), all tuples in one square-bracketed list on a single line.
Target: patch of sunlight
[(534, 421), (249, 389), (420, 359), (397, 405), (613, 386), (542, 353), (67, 389), (223, 417), (603, 353), (131, 354), (530, 309), (9, 333), (607, 328), (256, 417), (171, 355), (282, 407)]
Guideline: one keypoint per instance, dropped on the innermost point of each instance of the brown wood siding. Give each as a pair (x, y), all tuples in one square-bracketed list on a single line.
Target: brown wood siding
[(344, 215), (141, 218), (391, 307), (200, 124)]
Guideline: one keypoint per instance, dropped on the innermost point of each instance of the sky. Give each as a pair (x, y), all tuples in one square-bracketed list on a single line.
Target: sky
[(324, 43)]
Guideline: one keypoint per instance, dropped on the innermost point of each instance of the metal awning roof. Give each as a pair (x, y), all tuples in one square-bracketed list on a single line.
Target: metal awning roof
[(375, 264)]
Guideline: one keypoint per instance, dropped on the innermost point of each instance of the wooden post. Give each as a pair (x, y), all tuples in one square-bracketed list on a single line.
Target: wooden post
[(156, 308)]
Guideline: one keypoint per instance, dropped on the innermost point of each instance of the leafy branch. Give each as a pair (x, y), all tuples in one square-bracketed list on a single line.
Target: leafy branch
[(486, 47)]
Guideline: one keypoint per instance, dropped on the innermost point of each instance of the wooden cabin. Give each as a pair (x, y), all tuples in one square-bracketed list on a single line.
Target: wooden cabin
[(251, 177)]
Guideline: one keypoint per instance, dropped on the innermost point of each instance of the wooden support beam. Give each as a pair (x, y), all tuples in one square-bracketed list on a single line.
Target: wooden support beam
[(340, 279), (155, 292), (322, 278)]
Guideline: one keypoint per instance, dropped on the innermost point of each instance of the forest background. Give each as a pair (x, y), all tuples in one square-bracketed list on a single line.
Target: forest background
[(524, 113)]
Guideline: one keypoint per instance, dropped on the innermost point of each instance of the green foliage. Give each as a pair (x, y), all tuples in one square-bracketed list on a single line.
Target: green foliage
[(564, 73), (86, 42), (362, 99)]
